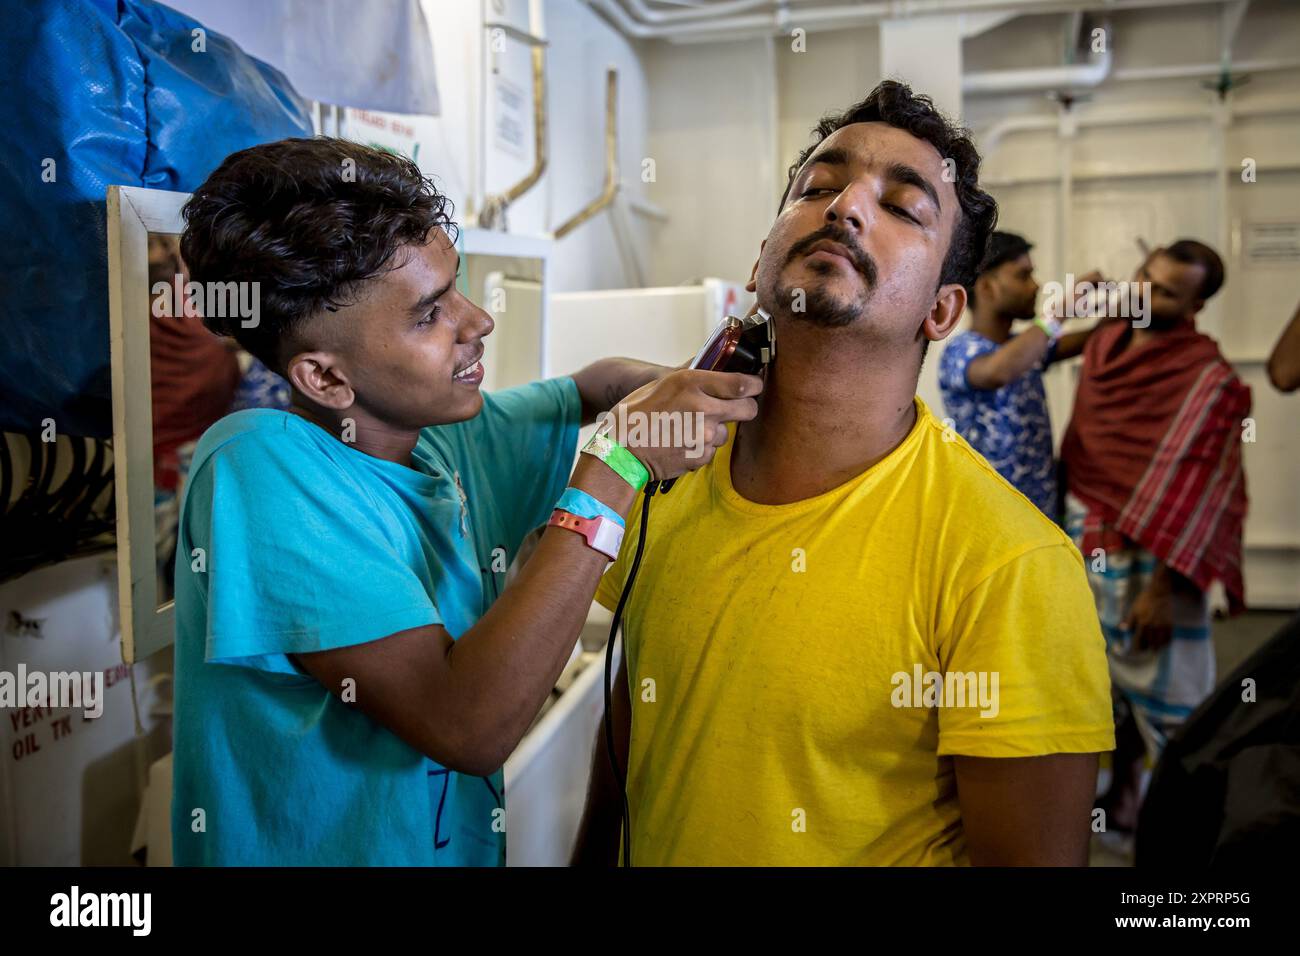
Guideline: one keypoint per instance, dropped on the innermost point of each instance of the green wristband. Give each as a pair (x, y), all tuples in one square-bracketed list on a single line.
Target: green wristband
[(1051, 327), (622, 461)]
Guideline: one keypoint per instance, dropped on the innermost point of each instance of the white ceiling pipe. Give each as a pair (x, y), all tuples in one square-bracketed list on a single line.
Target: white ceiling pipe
[(990, 136), (1078, 76), (779, 20), (1185, 71), (628, 27), (1113, 173), (643, 14), (1016, 124), (815, 19)]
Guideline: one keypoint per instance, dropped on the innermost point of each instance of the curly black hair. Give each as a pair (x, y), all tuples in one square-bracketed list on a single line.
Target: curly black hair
[(894, 103), (308, 220)]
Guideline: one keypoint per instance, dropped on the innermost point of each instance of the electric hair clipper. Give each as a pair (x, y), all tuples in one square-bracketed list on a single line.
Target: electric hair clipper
[(737, 345)]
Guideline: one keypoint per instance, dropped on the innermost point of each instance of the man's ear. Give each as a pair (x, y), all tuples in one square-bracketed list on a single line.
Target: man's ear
[(945, 313), (752, 284), (318, 377)]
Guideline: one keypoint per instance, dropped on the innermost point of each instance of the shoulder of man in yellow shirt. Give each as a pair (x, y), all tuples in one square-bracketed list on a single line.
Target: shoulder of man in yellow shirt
[(1006, 590)]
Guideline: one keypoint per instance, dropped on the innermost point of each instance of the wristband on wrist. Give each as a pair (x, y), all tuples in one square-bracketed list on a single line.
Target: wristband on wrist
[(602, 534), (622, 461), (578, 502), (1051, 327)]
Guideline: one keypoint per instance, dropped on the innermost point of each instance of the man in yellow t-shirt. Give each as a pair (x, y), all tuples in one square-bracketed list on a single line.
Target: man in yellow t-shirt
[(850, 641)]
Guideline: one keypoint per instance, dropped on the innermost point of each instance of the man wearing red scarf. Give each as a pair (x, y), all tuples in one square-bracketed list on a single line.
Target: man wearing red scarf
[(1156, 500)]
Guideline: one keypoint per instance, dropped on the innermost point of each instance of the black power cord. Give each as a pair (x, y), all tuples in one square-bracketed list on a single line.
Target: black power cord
[(736, 345), (619, 775)]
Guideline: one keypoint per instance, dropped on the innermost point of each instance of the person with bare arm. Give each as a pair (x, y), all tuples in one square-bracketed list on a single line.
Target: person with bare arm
[(1156, 500), (349, 682), (1284, 362), (850, 640), (992, 381)]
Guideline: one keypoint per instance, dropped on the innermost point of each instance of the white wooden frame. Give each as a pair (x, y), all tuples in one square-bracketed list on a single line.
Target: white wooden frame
[(134, 213)]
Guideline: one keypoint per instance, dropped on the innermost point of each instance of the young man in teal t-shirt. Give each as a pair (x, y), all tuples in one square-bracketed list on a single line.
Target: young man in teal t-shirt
[(349, 677)]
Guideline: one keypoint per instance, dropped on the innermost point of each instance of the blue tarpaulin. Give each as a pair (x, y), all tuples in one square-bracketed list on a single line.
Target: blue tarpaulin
[(100, 93)]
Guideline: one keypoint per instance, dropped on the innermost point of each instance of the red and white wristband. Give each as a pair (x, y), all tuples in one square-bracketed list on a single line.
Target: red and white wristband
[(602, 534)]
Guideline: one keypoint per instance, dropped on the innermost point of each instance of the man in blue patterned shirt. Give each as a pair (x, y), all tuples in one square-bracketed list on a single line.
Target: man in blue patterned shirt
[(992, 381)]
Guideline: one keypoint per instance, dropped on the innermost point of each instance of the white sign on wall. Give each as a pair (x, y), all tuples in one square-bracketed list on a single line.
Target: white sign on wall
[(1265, 243), (394, 132), (511, 117)]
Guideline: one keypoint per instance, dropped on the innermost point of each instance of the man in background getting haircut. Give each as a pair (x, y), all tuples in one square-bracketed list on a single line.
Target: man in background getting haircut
[(1156, 487)]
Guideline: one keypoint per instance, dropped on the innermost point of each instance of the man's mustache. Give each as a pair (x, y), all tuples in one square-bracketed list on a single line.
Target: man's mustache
[(857, 255)]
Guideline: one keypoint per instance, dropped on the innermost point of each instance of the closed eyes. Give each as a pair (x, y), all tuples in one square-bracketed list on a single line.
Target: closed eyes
[(899, 211)]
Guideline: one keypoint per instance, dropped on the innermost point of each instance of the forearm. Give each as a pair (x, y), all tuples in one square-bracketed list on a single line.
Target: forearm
[(1012, 360), (1071, 344), (1284, 363), (1165, 579), (506, 665), (466, 702), (605, 383)]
